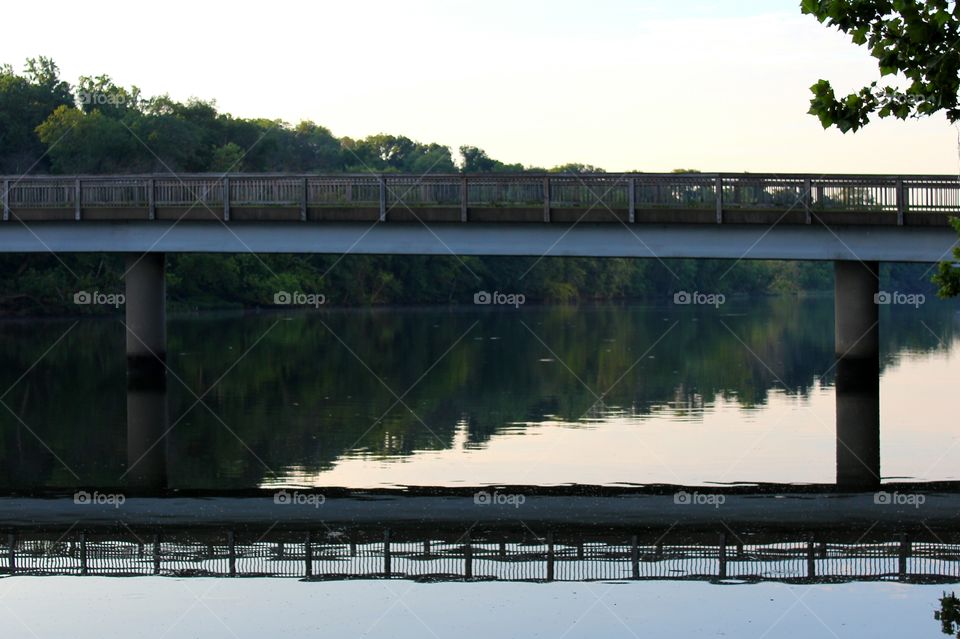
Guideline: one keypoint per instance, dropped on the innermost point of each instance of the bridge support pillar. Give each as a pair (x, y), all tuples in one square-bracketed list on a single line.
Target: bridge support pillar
[(146, 436), (146, 315), (146, 333), (857, 346)]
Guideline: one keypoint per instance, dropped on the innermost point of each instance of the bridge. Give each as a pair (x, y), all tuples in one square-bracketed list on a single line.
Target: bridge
[(856, 221), (807, 537), (698, 215)]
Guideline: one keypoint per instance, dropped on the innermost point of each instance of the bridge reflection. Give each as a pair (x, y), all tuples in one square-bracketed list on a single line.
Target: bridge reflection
[(560, 554)]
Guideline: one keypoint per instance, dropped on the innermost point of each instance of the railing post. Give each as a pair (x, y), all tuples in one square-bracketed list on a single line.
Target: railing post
[(464, 197), (308, 555), (83, 553), (383, 199), (632, 189), (76, 197), (719, 200), (634, 558), (232, 552), (303, 200), (468, 559), (151, 199), (387, 568), (12, 552), (6, 200), (811, 559), (546, 199), (226, 199), (901, 202), (807, 201), (550, 557), (156, 554), (905, 548), (723, 556)]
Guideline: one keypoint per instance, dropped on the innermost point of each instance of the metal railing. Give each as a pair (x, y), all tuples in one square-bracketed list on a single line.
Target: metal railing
[(627, 193), (348, 554)]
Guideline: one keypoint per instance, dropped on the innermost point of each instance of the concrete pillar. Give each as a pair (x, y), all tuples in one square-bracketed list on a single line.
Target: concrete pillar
[(858, 424), (147, 424), (146, 315), (147, 417), (856, 312), (857, 346)]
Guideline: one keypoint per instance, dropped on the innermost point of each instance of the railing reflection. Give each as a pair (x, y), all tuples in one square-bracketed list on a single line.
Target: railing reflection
[(523, 556)]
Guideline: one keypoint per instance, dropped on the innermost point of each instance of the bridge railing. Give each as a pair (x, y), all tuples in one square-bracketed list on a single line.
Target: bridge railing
[(620, 192), (346, 554)]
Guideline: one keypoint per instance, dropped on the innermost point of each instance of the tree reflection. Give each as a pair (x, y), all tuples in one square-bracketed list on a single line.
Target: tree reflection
[(949, 614)]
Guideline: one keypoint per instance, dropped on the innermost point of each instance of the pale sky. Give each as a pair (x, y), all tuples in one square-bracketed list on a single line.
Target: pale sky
[(651, 85)]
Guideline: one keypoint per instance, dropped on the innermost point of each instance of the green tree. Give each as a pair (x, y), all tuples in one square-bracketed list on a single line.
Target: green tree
[(100, 93), (576, 167), (476, 160), (949, 614), (79, 142), (947, 277), (25, 102), (917, 40)]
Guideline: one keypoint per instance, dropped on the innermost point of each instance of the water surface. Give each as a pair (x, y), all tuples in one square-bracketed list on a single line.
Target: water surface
[(606, 394)]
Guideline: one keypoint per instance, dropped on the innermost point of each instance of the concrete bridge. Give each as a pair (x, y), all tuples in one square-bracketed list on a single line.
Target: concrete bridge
[(856, 221), (733, 216)]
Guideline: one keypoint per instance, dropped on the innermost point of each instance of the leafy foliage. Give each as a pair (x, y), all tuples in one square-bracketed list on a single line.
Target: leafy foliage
[(948, 273), (917, 40), (949, 615)]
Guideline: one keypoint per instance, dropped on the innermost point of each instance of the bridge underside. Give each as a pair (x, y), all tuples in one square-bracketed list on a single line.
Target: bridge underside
[(721, 241)]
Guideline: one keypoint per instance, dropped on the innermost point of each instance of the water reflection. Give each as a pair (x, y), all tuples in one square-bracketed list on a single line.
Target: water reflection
[(325, 398), (147, 432), (796, 537)]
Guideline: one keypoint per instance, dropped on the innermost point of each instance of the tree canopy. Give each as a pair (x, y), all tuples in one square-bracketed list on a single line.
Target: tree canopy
[(915, 41)]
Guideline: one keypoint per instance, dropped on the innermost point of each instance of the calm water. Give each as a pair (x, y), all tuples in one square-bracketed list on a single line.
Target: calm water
[(610, 394), (541, 395)]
